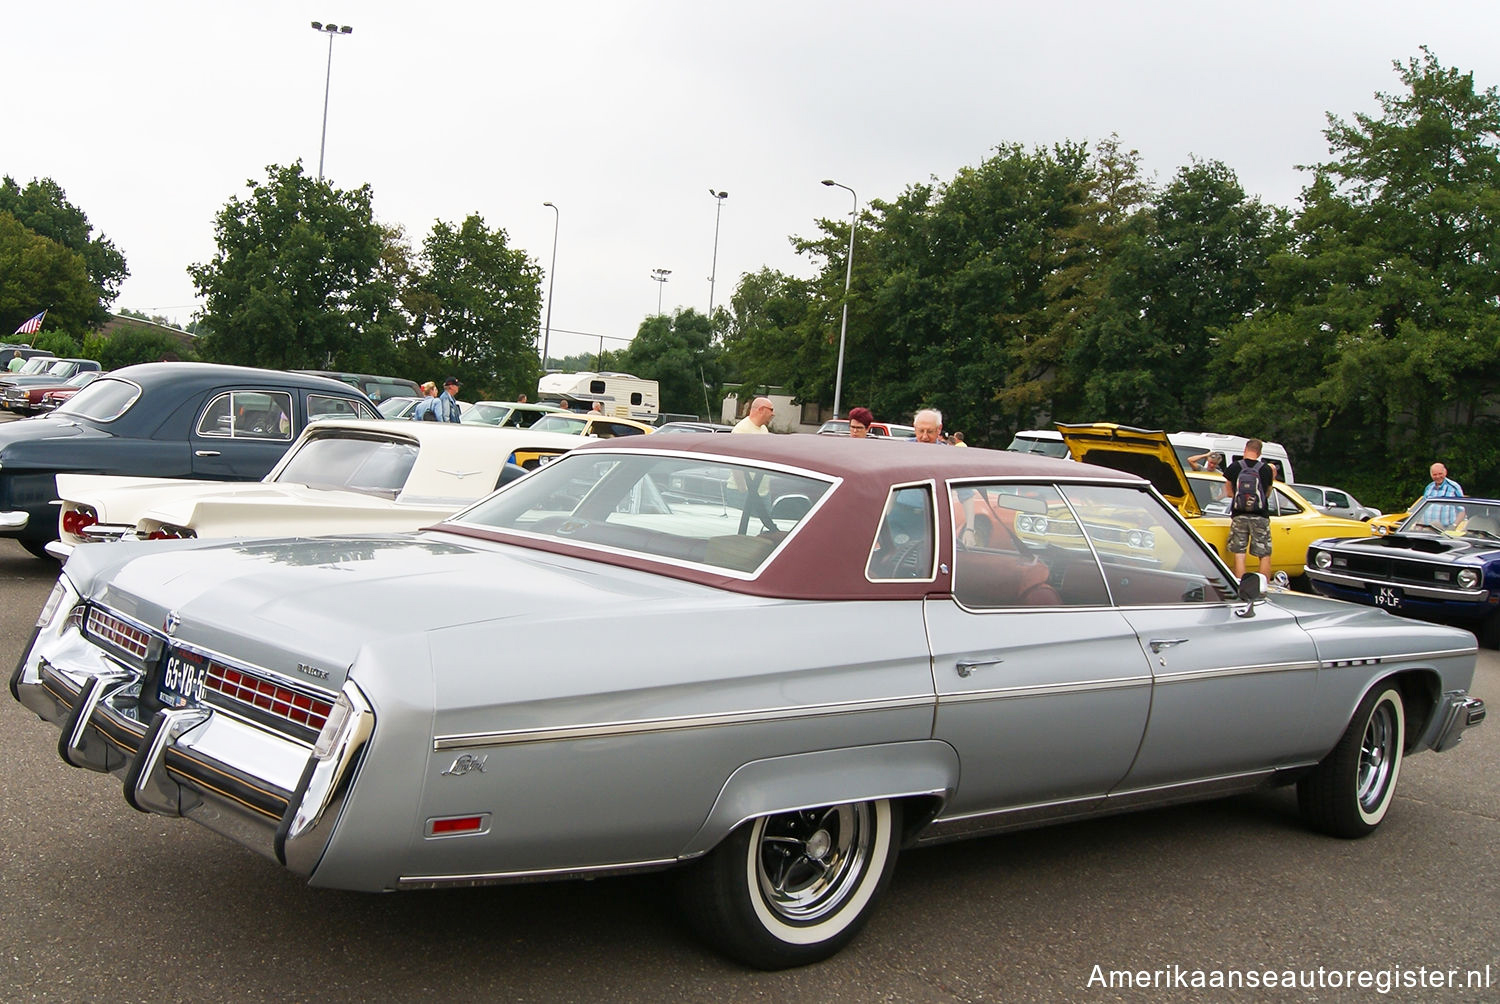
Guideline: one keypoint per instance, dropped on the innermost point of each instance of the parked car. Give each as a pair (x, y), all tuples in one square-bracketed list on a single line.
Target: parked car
[(401, 407), (506, 414), (774, 683), (591, 423), (160, 420), (54, 372), (340, 476), (693, 427), (840, 427), (376, 388), (54, 398), (1335, 502), (1047, 442), (1200, 497), (1387, 522), (36, 398), (1443, 565)]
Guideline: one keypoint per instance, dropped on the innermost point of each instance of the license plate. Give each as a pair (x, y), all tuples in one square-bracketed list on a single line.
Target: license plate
[(1389, 597), (182, 679)]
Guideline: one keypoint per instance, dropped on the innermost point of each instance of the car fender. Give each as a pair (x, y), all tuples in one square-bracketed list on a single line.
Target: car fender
[(826, 777)]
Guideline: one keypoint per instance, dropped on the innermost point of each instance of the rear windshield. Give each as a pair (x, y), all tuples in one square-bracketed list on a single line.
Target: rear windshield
[(104, 400), (683, 510)]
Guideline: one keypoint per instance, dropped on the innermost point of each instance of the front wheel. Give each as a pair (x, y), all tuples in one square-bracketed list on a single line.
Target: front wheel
[(1350, 791), (794, 887)]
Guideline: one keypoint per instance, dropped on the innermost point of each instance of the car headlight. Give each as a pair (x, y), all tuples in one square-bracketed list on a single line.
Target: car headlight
[(1468, 578), (1142, 540), (1322, 559)]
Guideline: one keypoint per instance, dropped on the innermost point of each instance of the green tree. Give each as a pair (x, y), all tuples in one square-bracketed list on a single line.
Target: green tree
[(129, 346), (303, 276), (43, 207), (1187, 265), (479, 303), (680, 354), (37, 273), (1380, 348)]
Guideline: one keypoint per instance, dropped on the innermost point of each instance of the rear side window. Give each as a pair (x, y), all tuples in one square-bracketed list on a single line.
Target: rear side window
[(247, 414), (904, 542)]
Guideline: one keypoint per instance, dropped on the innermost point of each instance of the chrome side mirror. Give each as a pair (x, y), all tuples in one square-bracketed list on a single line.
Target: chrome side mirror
[(1252, 590)]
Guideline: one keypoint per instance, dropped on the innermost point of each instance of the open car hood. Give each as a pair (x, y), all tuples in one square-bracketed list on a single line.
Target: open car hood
[(1142, 452)]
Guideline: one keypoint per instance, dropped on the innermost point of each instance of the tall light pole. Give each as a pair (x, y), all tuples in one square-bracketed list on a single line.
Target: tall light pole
[(547, 333), (332, 30), (660, 275), (838, 380), (719, 198)]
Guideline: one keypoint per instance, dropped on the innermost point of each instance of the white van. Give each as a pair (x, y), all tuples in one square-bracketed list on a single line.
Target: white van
[(1190, 444)]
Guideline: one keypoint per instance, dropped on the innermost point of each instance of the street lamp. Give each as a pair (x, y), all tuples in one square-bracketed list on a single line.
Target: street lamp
[(838, 380), (547, 334), (660, 275), (332, 30), (719, 197)]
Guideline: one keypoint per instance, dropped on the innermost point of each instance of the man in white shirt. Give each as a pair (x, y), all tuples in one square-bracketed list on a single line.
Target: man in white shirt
[(759, 419)]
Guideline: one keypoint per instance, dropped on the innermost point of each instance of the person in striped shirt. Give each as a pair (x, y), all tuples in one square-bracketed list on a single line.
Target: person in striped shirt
[(1440, 487)]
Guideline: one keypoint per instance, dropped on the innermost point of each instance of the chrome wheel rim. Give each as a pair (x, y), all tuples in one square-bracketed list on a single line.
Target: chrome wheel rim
[(808, 863), (1377, 756)]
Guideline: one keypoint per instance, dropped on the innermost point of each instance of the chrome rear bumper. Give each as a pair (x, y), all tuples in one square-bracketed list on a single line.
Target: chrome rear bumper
[(1457, 712), (261, 788)]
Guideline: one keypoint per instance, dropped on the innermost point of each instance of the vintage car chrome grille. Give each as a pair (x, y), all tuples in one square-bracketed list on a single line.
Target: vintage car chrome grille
[(278, 699), (1388, 569), (117, 633)]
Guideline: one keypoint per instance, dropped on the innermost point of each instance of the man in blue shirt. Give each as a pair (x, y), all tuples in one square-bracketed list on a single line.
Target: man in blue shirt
[(447, 402), (1442, 487)]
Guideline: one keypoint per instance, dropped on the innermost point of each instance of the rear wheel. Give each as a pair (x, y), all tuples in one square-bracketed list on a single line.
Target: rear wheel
[(1349, 793), (794, 887)]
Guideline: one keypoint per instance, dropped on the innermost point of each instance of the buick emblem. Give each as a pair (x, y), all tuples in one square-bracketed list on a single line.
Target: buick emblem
[(172, 622)]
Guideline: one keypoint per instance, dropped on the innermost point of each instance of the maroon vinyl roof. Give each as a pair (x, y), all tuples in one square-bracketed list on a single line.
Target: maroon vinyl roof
[(827, 557)]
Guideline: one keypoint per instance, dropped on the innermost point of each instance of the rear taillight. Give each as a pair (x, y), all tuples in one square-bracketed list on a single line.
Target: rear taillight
[(74, 521), (165, 532)]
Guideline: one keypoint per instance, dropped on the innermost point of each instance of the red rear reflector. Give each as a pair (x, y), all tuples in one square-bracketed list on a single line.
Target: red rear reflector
[(456, 824)]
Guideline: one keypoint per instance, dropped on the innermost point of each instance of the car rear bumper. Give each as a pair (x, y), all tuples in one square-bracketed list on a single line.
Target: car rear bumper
[(259, 787)]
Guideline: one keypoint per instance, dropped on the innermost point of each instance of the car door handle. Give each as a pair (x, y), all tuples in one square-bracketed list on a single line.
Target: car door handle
[(205, 453), (966, 667), (1157, 644)]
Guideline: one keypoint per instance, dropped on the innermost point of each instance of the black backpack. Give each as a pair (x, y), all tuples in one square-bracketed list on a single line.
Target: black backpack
[(1249, 493)]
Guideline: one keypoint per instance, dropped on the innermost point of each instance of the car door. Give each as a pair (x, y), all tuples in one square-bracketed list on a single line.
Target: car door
[(1041, 685), (1232, 684), (241, 433)]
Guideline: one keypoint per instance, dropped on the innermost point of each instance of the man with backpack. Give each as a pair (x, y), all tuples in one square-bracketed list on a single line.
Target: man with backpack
[(1247, 484)]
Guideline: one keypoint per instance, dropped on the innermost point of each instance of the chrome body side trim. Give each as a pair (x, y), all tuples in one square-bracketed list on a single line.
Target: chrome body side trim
[(600, 730), (542, 875)]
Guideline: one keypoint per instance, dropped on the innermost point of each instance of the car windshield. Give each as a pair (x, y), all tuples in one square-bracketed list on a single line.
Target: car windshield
[(683, 510), (559, 422), (36, 364), (1455, 517), (1030, 444), (83, 379), (373, 465), (103, 400), (396, 407), (62, 368)]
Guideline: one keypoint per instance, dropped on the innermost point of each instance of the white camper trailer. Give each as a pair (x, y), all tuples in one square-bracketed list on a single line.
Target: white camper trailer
[(619, 395)]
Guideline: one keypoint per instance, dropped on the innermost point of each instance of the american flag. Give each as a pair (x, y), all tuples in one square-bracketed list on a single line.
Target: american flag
[(32, 326)]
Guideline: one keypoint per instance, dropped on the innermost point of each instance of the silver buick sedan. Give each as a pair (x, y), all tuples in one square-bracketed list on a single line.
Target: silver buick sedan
[(768, 663)]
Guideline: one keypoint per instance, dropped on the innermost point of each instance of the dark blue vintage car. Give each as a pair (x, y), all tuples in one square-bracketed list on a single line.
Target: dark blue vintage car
[(174, 420), (1442, 564)]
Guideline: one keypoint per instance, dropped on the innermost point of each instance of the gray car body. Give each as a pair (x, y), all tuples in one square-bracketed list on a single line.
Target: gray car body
[(491, 690)]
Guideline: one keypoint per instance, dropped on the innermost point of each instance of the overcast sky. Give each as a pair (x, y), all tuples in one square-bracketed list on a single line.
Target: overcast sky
[(153, 114)]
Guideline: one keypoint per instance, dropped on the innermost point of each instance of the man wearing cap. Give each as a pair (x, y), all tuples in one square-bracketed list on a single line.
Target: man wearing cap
[(447, 402)]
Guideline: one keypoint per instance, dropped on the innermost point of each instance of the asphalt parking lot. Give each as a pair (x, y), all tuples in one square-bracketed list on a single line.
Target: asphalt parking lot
[(103, 903)]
